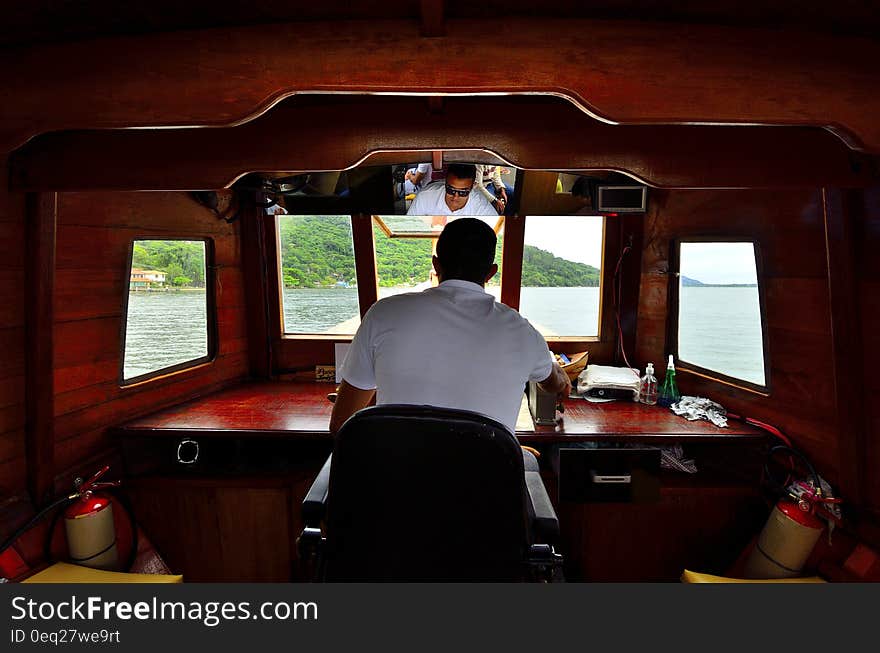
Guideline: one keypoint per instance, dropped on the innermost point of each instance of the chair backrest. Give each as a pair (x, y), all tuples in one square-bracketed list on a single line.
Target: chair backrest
[(424, 493)]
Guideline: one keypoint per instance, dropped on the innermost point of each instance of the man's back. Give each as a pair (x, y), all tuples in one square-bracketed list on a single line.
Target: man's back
[(450, 346)]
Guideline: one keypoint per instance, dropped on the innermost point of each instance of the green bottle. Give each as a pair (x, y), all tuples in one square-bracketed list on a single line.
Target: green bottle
[(669, 393)]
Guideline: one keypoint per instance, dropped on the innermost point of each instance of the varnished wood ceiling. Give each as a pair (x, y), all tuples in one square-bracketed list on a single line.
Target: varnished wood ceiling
[(66, 20)]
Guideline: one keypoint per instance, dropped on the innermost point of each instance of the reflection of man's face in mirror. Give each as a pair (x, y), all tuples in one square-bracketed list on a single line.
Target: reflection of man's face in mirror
[(457, 191)]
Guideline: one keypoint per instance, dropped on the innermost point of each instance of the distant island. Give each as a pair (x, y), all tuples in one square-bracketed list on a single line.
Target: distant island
[(317, 253), (687, 282)]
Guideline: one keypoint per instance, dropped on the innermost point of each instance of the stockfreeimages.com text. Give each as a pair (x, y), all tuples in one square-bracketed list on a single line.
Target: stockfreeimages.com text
[(209, 613)]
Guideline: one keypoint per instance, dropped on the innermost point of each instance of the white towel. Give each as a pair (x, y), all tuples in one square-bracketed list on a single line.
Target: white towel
[(606, 376)]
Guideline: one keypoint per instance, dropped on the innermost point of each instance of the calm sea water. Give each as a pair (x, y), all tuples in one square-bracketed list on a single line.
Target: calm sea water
[(164, 329), (720, 327)]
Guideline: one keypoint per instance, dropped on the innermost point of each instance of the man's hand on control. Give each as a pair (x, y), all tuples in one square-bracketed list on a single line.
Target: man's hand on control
[(557, 383), (566, 389)]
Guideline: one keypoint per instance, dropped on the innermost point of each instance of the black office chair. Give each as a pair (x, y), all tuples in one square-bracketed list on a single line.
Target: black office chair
[(417, 493)]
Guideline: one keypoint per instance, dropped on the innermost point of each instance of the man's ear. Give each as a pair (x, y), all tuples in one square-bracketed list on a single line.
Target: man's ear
[(437, 267), (492, 271)]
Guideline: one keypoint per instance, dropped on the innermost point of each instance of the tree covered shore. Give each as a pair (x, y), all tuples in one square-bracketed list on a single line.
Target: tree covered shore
[(316, 252), (182, 261)]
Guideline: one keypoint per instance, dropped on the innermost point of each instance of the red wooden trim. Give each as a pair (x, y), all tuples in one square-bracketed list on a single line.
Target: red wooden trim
[(254, 263), (846, 341), (365, 257), (511, 259), (40, 234), (703, 156), (631, 232), (274, 305), (625, 71)]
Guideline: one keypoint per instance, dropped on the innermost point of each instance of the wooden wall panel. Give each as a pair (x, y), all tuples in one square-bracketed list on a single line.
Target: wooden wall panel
[(95, 231), (221, 533), (345, 129), (630, 542), (789, 229), (627, 71), (867, 214), (12, 338)]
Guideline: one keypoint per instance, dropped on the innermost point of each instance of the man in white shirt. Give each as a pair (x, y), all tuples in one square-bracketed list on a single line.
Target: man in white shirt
[(452, 346), (452, 196)]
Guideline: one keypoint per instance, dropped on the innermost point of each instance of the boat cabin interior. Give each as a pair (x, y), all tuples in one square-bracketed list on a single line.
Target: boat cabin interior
[(198, 207)]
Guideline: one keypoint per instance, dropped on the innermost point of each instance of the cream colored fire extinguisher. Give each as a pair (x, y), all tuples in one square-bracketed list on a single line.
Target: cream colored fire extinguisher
[(795, 524), (88, 522), (785, 542)]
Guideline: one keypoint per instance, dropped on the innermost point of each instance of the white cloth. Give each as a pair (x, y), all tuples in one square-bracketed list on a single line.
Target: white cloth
[(609, 377), (452, 346), (693, 408), (432, 201)]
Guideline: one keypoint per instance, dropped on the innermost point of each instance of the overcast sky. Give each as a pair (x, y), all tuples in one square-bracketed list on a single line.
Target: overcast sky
[(574, 238), (719, 262)]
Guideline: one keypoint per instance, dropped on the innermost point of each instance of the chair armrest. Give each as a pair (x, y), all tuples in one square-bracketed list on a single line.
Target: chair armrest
[(545, 523), (315, 503)]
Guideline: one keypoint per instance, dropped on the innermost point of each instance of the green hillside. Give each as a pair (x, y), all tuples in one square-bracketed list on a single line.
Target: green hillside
[(182, 261), (317, 252)]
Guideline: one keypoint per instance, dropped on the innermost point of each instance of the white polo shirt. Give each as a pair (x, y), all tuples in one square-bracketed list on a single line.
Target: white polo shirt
[(431, 200), (452, 346)]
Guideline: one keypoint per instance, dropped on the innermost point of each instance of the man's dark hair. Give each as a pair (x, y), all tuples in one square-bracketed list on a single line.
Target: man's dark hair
[(581, 187), (462, 170), (466, 250)]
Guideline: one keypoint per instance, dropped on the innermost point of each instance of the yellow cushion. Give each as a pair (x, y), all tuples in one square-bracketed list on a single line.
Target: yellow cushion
[(62, 572), (696, 577)]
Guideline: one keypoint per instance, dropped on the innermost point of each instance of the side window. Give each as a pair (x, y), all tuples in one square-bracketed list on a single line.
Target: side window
[(720, 326), (318, 282), (167, 309), (561, 274)]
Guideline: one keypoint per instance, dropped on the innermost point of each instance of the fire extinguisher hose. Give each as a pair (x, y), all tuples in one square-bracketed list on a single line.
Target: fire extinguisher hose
[(781, 487), (58, 506), (59, 503)]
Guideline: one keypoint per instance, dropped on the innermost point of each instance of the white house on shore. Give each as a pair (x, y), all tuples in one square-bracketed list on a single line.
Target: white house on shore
[(145, 279)]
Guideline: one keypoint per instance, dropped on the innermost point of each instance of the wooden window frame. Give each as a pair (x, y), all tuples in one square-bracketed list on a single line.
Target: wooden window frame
[(299, 353), (210, 315), (674, 308)]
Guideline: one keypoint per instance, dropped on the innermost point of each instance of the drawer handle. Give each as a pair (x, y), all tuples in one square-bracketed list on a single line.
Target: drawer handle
[(619, 479), (187, 452)]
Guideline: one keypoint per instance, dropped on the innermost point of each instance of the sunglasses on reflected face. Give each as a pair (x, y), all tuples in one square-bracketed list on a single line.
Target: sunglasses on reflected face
[(461, 192)]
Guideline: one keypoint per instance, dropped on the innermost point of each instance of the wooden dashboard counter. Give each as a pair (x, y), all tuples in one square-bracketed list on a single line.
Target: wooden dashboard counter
[(277, 427), (284, 409), (301, 410), (627, 421), (218, 482)]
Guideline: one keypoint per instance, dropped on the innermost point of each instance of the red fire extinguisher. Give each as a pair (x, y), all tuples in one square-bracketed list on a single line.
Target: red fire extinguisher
[(88, 522), (785, 542), (794, 526)]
